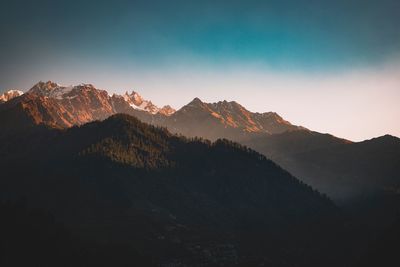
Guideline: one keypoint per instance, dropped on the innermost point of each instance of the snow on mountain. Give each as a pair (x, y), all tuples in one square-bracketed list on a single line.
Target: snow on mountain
[(64, 106), (10, 95), (59, 92), (136, 101), (50, 89), (83, 103)]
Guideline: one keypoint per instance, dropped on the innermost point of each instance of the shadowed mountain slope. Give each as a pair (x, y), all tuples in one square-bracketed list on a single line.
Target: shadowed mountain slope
[(169, 199), (341, 170)]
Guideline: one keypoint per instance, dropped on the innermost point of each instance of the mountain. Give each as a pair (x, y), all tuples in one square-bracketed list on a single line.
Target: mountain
[(10, 95), (123, 186), (137, 102), (337, 167), (51, 104), (334, 166), (349, 170), (100, 98), (169, 200), (225, 119), (166, 110), (75, 105)]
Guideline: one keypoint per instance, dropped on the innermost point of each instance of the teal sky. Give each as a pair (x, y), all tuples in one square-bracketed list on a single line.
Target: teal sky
[(172, 51)]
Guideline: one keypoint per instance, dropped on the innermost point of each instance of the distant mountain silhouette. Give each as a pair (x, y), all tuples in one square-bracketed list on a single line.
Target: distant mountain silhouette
[(345, 170), (222, 119), (169, 199)]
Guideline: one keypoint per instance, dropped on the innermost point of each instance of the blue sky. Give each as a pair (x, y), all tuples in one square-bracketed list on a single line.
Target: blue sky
[(167, 49)]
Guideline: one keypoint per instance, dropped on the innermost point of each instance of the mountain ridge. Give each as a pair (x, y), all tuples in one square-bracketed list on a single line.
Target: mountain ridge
[(293, 147), (133, 177), (10, 94), (170, 198), (86, 103)]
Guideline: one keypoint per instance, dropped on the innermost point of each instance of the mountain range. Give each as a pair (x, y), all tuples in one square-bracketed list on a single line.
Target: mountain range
[(100, 180), (337, 167), (165, 199), (60, 106)]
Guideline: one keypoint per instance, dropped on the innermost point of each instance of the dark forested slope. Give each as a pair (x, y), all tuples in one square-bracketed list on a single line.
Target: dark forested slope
[(169, 199)]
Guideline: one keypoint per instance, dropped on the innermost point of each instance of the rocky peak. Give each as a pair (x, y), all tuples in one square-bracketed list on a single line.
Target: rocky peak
[(196, 101), (50, 89), (10, 94), (230, 114), (228, 106), (87, 93), (136, 101), (44, 88), (133, 98), (85, 86), (195, 104), (167, 110)]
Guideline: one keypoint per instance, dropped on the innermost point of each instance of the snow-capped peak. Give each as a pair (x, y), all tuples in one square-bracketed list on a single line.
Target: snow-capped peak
[(133, 98), (10, 94), (136, 101), (50, 89), (56, 91)]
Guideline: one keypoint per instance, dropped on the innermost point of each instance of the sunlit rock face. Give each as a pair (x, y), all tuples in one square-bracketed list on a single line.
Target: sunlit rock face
[(75, 105), (10, 95), (64, 106), (136, 101), (224, 119)]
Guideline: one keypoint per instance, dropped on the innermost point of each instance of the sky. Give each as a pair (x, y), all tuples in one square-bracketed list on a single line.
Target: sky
[(331, 66)]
